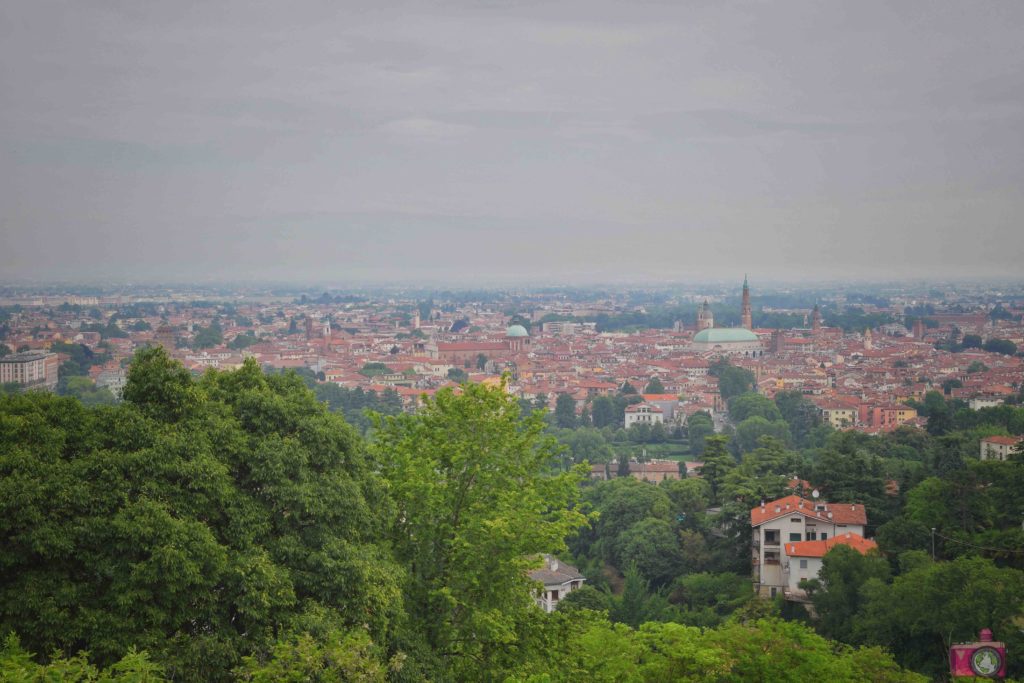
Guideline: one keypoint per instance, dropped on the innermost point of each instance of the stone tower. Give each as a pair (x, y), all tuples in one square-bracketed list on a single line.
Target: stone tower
[(816, 319), (868, 340), (705, 319), (748, 322)]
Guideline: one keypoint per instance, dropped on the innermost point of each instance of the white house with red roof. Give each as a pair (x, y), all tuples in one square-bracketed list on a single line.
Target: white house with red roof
[(999, 447), (786, 523), (643, 413), (805, 559)]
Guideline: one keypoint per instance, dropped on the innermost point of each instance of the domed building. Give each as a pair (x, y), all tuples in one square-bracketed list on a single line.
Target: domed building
[(517, 337), (730, 340), (737, 341)]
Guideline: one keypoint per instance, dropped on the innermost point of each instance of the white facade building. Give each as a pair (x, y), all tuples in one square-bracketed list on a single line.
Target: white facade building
[(559, 580), (644, 413), (777, 525)]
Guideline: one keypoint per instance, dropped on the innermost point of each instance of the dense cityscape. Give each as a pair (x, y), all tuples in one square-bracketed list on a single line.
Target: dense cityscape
[(518, 342)]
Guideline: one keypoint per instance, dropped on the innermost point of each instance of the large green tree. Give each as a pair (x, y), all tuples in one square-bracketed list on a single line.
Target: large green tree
[(475, 503), (197, 520)]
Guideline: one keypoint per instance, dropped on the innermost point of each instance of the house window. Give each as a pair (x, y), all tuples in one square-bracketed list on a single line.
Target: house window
[(771, 558), (803, 564), (812, 535), (794, 537), (771, 537), (774, 591), (824, 536), (795, 520)]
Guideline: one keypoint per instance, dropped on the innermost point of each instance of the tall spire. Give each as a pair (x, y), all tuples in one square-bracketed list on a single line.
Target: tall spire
[(748, 322)]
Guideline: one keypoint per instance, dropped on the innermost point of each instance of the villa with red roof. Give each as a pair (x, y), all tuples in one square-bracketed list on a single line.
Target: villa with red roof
[(791, 534), (999, 447)]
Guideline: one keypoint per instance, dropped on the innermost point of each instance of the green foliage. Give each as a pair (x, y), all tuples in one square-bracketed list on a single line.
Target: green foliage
[(732, 381), (699, 427), (338, 657), (208, 337), (585, 646), (718, 462), (708, 599), (565, 411), (934, 604), (654, 387), (243, 340), (843, 573), (474, 502), (746, 406), (374, 369), (753, 429), (602, 412), (1002, 346), (17, 665), (652, 546), (192, 521), (85, 390), (458, 375)]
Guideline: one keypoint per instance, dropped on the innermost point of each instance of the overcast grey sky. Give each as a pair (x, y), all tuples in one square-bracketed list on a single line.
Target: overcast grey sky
[(484, 141)]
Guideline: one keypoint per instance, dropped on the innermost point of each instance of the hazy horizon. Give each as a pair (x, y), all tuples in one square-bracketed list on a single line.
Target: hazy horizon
[(510, 143)]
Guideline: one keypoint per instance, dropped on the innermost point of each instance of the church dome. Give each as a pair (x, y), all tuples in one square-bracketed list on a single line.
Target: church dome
[(724, 335), (516, 331)]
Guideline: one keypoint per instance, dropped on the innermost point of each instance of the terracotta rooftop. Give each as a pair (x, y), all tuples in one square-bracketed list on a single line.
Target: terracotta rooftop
[(837, 513), (819, 548)]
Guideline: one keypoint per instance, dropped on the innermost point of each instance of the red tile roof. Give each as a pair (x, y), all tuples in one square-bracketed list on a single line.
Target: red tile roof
[(819, 548), (838, 513), (1003, 440)]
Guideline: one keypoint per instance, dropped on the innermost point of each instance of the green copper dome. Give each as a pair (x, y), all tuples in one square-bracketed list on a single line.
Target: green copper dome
[(516, 331), (719, 335)]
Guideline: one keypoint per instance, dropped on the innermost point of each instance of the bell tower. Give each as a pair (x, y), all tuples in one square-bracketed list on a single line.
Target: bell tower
[(748, 322)]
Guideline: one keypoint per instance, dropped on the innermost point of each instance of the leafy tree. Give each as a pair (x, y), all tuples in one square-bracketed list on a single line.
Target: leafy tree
[(458, 375), (565, 411), (5, 350), (584, 597), (374, 369), (750, 431), (718, 462), (17, 665), (474, 503), (932, 605), (971, 341), (652, 547), (208, 337), (977, 366), (753, 405), (85, 390), (689, 498), (699, 426), (587, 445), (1003, 346), (244, 340), (602, 412), (708, 599), (800, 414), (338, 656), (732, 381), (481, 361), (654, 386), (193, 520), (843, 572)]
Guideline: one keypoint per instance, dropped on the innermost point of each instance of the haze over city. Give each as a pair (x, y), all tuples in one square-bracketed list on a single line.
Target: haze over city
[(467, 142)]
